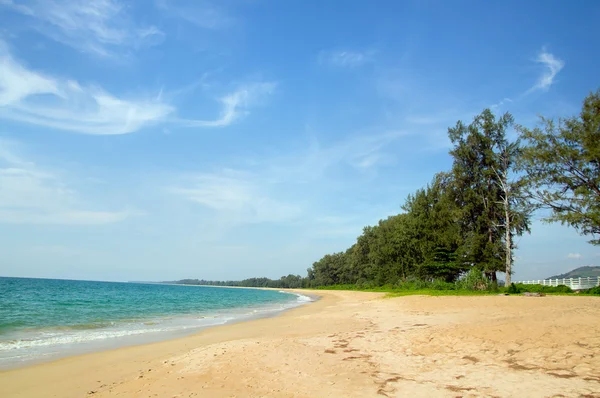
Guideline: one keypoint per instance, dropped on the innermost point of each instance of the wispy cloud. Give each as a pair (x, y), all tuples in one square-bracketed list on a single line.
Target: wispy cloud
[(33, 97), (364, 151), (32, 195), (240, 197), (355, 154), (236, 104), (501, 103), (576, 256), (285, 189), (552, 66), (345, 58), (101, 27), (201, 13)]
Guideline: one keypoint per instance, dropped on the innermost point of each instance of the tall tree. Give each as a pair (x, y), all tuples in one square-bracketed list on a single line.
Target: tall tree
[(517, 208), (491, 211), (562, 161)]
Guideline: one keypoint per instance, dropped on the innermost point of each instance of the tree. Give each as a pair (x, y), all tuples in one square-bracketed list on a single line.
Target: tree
[(517, 208), (358, 257), (562, 161), (433, 224), (328, 270), (491, 207)]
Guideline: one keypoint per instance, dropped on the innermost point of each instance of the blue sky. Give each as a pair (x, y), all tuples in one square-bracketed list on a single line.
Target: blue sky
[(160, 140)]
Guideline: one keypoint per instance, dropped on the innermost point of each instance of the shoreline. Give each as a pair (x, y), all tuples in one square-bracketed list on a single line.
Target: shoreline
[(177, 326), (59, 375), (352, 344)]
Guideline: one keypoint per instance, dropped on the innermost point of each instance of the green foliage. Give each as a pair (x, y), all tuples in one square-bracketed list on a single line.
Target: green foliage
[(431, 292), (442, 265), (462, 220), (513, 289), (522, 288), (330, 270), (419, 284), (594, 291), (473, 280), (285, 282), (490, 205), (413, 287), (562, 162), (418, 244)]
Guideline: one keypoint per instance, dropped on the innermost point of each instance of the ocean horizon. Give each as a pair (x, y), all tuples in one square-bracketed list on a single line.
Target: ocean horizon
[(46, 319)]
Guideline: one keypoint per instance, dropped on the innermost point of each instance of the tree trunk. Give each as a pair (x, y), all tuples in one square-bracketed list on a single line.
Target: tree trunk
[(508, 244), (492, 274)]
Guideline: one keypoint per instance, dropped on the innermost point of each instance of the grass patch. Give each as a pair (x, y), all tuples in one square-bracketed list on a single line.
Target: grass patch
[(521, 288), (430, 292), (409, 290), (471, 285)]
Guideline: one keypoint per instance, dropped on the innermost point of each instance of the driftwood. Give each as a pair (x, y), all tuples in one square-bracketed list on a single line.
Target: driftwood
[(533, 294)]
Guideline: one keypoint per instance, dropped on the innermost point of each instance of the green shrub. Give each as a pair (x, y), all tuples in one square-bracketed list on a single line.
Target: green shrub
[(419, 284), (473, 280), (594, 290), (542, 289), (513, 289), (439, 284)]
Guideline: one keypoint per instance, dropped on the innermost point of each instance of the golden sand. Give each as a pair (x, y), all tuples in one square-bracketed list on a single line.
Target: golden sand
[(352, 344)]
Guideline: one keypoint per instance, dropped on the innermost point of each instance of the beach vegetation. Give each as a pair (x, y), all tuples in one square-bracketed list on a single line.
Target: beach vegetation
[(562, 163), (593, 291)]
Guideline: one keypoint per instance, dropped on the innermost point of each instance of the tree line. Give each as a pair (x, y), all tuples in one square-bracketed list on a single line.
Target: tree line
[(465, 220), (285, 282), (461, 226)]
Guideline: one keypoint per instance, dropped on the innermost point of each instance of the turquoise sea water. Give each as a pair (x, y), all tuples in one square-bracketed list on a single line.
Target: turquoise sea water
[(47, 318)]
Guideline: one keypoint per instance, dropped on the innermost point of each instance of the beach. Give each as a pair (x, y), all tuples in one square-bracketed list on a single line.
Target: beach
[(353, 344)]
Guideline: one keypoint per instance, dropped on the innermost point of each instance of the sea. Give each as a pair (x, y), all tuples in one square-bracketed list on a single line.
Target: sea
[(45, 319)]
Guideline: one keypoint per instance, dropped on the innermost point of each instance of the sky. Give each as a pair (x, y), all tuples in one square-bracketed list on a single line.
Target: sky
[(159, 140)]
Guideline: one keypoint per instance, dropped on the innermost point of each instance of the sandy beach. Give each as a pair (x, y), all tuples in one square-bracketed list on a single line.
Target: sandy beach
[(352, 344)]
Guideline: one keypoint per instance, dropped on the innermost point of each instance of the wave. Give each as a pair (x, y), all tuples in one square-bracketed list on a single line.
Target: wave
[(300, 297), (64, 336), (34, 344)]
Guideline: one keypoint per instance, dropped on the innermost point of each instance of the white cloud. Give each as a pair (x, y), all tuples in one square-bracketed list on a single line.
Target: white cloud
[(31, 195), (32, 97), (576, 256), (201, 13), (17, 83), (552, 66), (362, 152), (501, 103), (101, 27), (348, 59), (284, 189), (236, 104), (239, 197)]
